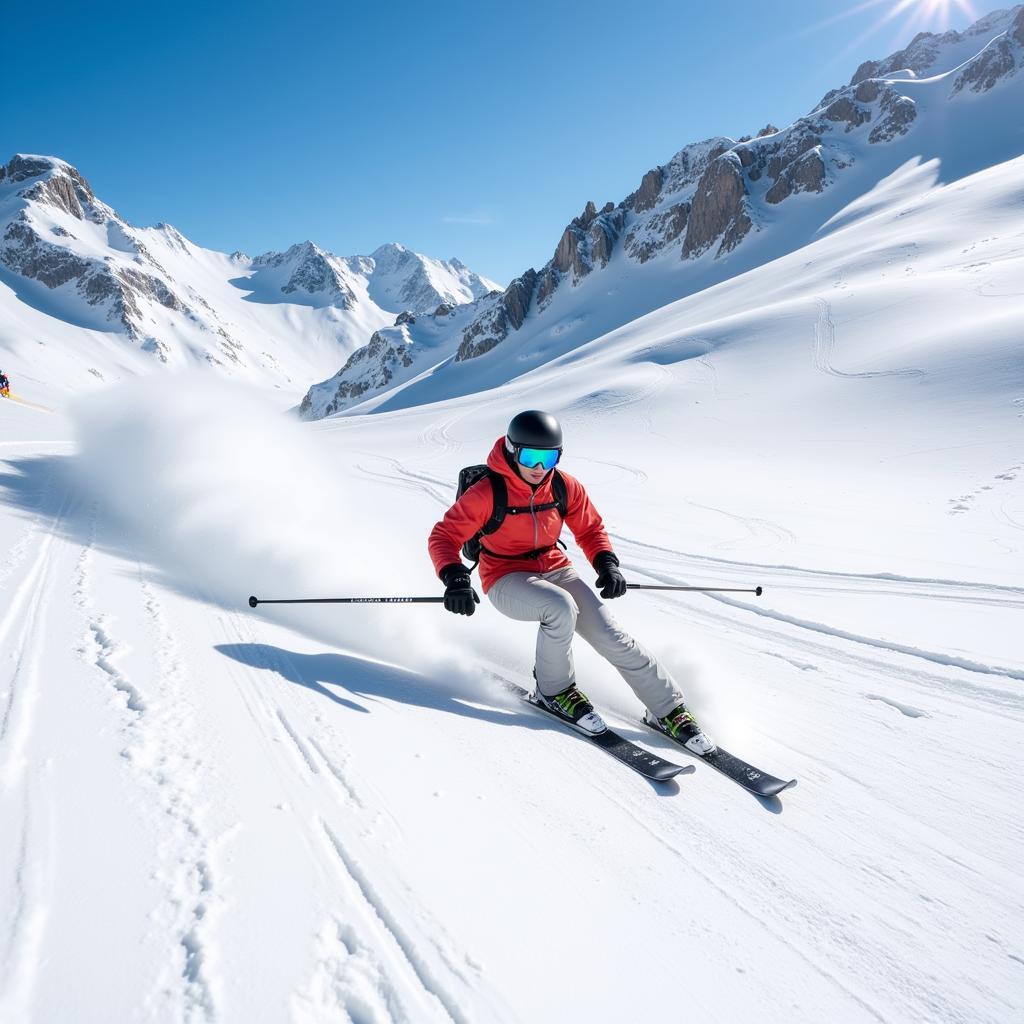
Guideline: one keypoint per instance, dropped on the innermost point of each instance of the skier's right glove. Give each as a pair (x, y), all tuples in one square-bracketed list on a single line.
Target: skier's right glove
[(459, 595)]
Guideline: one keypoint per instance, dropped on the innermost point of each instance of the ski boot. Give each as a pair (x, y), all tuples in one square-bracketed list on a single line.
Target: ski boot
[(683, 728), (572, 706)]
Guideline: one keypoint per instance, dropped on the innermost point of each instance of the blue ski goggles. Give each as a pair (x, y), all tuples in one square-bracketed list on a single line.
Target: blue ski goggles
[(533, 457)]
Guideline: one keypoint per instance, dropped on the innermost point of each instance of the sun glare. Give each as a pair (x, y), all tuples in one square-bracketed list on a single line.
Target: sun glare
[(916, 16), (939, 9)]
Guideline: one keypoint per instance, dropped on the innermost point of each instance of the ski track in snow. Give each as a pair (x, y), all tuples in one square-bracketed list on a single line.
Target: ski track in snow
[(378, 966), (761, 530), (958, 686), (192, 853), (23, 943), (825, 348), (631, 474), (437, 489), (23, 633), (905, 709), (734, 864), (885, 583), (437, 438), (157, 729), (391, 934), (27, 609)]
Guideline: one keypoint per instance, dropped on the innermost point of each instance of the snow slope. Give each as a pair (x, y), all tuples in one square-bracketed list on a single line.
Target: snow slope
[(330, 813)]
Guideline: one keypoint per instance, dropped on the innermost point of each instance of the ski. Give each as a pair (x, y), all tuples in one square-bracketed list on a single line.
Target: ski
[(750, 778), (647, 764)]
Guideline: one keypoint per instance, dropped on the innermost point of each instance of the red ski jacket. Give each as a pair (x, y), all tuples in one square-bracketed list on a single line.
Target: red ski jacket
[(518, 533)]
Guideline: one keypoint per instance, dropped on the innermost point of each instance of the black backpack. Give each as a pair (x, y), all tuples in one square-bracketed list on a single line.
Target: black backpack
[(471, 474)]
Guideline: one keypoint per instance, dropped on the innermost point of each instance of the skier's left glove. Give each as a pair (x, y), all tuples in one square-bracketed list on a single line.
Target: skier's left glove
[(610, 581)]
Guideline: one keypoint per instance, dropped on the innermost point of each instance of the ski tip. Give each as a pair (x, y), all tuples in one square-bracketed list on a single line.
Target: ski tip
[(669, 771), (776, 790), (253, 602)]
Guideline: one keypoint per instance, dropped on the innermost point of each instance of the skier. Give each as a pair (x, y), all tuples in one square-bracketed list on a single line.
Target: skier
[(526, 576), (5, 385)]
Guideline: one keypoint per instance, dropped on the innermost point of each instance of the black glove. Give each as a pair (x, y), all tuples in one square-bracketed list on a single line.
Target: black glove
[(610, 581), (459, 595)]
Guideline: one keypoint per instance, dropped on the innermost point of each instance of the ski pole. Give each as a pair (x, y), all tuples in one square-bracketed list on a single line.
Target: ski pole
[(703, 590), (253, 601)]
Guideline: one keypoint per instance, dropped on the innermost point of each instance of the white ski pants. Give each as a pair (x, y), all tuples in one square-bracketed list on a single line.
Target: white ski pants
[(564, 605)]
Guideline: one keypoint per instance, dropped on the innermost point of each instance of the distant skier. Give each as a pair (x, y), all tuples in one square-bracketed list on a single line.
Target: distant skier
[(5, 385), (528, 577)]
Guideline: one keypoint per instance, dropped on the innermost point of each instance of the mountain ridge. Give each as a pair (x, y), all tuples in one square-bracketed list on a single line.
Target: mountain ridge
[(710, 206), (73, 259)]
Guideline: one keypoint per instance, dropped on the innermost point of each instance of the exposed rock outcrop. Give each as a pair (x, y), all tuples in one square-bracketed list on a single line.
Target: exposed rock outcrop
[(897, 115), (849, 113), (507, 315), (805, 174), (646, 196), (371, 367), (718, 208), (867, 92)]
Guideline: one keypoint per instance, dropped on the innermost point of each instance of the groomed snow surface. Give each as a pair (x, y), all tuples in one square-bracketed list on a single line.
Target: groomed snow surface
[(331, 813)]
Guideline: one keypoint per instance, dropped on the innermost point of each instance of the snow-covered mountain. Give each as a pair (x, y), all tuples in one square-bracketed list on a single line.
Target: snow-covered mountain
[(394, 278), (717, 209), (405, 280), (129, 294)]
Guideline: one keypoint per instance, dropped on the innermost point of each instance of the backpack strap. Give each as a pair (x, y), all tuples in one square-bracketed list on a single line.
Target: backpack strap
[(561, 493), (499, 506)]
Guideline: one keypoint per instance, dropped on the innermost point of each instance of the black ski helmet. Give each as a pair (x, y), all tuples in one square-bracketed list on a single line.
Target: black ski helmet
[(534, 429)]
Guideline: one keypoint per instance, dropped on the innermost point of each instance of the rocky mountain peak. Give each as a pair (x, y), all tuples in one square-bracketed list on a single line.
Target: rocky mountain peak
[(408, 280), (307, 269), (1003, 57), (60, 184), (929, 53)]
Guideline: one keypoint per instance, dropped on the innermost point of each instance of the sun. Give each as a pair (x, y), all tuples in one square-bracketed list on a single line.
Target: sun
[(929, 14), (937, 10)]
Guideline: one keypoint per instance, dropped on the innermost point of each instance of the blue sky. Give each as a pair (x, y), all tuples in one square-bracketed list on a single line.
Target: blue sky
[(459, 129)]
